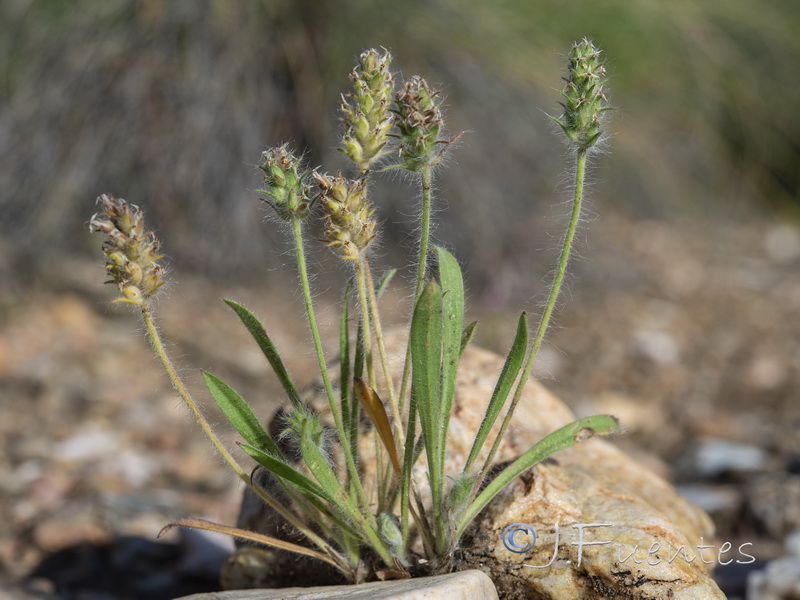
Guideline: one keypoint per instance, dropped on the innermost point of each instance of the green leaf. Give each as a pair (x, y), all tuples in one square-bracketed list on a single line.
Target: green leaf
[(426, 390), (240, 415), (567, 436), (459, 494), (355, 406), (466, 336), (307, 427), (505, 382), (453, 322), (344, 364), (408, 463), (426, 361), (383, 282), (264, 342), (286, 472), (292, 480)]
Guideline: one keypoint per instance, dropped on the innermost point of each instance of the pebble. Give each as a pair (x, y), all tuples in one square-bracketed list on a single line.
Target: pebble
[(60, 532), (792, 542), (203, 551), (780, 580), (723, 503), (773, 500), (782, 243), (89, 442), (658, 346), (711, 458)]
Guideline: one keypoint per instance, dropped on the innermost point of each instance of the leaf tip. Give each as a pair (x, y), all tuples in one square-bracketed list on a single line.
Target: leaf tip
[(165, 529)]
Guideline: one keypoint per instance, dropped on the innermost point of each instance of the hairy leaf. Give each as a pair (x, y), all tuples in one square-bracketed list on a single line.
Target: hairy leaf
[(240, 415), (505, 382), (567, 436), (264, 342)]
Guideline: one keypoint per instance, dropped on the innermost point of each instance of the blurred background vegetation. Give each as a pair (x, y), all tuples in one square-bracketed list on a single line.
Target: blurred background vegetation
[(169, 103)]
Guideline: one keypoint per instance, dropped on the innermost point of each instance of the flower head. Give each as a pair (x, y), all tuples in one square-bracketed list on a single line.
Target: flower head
[(131, 253), (366, 110), (349, 225), (284, 185), (584, 100), (418, 117)]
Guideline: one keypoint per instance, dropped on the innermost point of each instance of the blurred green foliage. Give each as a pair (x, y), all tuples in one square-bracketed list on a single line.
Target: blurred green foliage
[(169, 103)]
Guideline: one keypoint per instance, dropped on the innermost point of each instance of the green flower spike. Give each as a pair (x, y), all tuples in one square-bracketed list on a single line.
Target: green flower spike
[(132, 255), (283, 184), (366, 110), (348, 217), (418, 118), (584, 100)]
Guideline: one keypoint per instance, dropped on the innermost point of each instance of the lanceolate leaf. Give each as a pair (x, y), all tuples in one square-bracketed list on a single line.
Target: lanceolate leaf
[(309, 430), (240, 415), (453, 321), (286, 472), (383, 282), (426, 390), (567, 436), (466, 336), (264, 342), (426, 361), (310, 490), (504, 384)]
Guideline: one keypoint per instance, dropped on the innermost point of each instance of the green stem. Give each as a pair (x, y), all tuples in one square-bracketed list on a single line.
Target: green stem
[(371, 531), (561, 269), (367, 333), (365, 321), (422, 266), (379, 341), (177, 382)]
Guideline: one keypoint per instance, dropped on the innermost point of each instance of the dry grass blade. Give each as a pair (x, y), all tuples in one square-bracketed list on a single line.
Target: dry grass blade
[(250, 536), (371, 402)]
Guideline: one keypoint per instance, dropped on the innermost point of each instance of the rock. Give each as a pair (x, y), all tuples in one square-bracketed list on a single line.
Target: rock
[(792, 543), (465, 585), (774, 502), (780, 580), (711, 458), (590, 483), (204, 552), (723, 503), (58, 532)]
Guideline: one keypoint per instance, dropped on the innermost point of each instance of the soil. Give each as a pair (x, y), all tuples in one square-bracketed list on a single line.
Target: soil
[(689, 332)]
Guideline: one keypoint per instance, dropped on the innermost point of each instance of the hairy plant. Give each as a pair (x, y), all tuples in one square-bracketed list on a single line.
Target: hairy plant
[(365, 527)]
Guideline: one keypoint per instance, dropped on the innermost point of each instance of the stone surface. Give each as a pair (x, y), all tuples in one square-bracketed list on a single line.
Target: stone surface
[(780, 579), (590, 483), (464, 585)]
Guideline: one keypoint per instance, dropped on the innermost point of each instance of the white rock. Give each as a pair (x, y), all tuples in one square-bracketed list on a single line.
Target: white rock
[(465, 585), (713, 457)]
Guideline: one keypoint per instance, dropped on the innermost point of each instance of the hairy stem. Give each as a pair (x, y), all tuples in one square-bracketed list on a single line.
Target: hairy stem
[(371, 530), (363, 295), (177, 382), (422, 267), (379, 340), (561, 269)]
